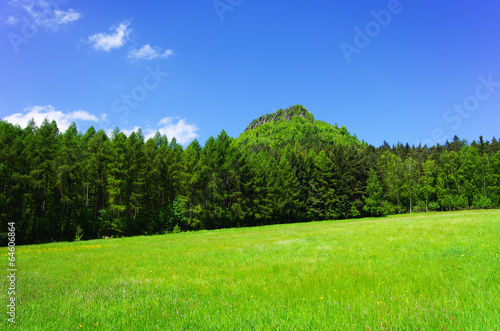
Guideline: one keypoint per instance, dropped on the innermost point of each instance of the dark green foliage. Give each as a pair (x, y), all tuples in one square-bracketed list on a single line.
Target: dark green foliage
[(286, 167), (373, 200)]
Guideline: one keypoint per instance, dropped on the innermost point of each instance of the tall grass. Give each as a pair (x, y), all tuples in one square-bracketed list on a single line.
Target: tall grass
[(421, 271)]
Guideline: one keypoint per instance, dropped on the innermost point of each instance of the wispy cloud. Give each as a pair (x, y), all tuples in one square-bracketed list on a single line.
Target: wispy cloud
[(147, 52), (64, 17), (108, 41), (42, 13), (39, 113)]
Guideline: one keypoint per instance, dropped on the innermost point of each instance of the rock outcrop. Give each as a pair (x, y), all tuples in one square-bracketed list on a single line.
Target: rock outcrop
[(281, 114)]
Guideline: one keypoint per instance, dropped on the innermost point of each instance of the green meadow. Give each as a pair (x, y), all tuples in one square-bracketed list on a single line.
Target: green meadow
[(437, 271)]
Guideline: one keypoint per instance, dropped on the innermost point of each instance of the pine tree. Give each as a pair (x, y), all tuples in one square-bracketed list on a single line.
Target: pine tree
[(150, 187), (68, 178), (287, 191), (96, 169), (118, 195), (42, 153), (326, 186), (135, 179), (190, 183)]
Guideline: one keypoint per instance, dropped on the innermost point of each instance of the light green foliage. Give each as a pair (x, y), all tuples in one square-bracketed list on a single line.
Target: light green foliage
[(294, 124), (420, 271), (394, 173)]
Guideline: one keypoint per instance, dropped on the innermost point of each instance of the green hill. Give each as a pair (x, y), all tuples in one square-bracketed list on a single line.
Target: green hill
[(294, 125)]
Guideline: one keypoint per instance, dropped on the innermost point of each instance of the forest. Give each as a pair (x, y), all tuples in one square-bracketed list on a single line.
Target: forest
[(286, 167)]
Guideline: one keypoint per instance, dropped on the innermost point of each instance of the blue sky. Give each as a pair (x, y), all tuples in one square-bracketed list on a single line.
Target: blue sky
[(401, 71)]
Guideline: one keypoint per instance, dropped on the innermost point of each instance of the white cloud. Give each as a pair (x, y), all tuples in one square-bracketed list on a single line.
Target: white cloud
[(116, 39), (184, 133), (39, 113), (44, 13), (82, 115), (147, 52), (171, 127), (166, 120), (64, 17)]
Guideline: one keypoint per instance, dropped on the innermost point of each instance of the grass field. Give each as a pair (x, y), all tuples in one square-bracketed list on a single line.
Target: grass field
[(421, 271)]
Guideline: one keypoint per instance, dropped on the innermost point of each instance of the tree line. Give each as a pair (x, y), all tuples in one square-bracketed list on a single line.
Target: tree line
[(61, 186)]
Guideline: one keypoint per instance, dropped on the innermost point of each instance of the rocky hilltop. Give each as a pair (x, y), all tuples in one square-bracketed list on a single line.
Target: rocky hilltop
[(282, 114), (291, 126)]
